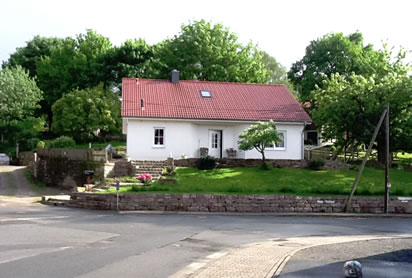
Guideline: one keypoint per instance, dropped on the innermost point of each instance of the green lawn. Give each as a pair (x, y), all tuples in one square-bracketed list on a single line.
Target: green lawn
[(281, 181)]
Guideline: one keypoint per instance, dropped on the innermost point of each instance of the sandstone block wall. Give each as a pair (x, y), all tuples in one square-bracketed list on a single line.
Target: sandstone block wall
[(234, 203)]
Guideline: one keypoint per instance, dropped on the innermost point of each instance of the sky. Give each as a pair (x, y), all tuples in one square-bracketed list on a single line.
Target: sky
[(281, 28)]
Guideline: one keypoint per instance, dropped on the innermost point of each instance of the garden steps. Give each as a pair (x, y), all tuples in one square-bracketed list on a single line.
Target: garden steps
[(154, 168)]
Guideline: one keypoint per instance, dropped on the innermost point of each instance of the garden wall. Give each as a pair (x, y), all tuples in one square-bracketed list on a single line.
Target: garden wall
[(282, 163), (234, 203), (63, 173)]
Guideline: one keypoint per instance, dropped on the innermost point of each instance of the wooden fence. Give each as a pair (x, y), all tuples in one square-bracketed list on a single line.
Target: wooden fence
[(319, 153), (74, 154)]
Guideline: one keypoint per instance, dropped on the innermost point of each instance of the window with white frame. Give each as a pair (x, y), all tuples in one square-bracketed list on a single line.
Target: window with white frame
[(281, 145), (159, 136)]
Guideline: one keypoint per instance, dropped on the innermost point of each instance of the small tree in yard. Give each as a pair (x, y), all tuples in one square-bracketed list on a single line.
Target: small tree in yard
[(259, 136)]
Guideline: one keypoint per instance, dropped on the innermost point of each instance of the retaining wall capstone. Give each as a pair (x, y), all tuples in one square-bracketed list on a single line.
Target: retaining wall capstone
[(235, 203)]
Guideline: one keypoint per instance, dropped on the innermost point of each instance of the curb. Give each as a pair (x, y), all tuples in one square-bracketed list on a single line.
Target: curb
[(279, 214)]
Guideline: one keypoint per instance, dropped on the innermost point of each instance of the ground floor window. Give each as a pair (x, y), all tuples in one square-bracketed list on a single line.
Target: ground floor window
[(159, 136), (281, 145)]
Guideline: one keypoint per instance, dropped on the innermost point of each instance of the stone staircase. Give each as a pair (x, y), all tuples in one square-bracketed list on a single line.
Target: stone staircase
[(153, 168)]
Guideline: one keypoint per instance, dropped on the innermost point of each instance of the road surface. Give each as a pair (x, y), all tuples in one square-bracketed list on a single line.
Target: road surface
[(46, 241)]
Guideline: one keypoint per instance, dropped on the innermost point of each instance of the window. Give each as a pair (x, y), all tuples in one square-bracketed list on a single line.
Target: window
[(279, 145), (215, 140), (159, 136), (206, 94)]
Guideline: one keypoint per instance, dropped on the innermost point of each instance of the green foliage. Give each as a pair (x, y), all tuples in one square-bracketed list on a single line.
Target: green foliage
[(82, 113), (277, 72), (333, 53), (205, 51), (259, 136), (73, 64), (25, 132), (41, 145), (29, 55), (62, 142), (349, 108), (316, 164), (131, 59), (19, 95), (206, 163)]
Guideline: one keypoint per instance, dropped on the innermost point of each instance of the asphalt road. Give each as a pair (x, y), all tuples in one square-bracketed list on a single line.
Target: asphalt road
[(46, 241), (379, 259)]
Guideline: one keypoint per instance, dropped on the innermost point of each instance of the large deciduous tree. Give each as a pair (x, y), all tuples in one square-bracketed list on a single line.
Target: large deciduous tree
[(348, 107), (82, 114), (76, 63), (29, 55), (333, 53), (131, 59), (19, 95), (259, 136), (204, 51)]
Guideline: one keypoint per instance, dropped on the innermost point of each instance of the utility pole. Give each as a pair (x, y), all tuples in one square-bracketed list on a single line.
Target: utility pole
[(387, 162)]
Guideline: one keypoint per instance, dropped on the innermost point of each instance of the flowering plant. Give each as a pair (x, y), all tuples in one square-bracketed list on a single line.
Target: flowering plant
[(145, 178)]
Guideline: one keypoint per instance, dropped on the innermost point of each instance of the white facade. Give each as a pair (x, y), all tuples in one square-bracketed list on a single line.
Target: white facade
[(181, 138)]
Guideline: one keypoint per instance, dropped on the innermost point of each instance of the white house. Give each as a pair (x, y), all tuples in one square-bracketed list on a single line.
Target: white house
[(182, 117)]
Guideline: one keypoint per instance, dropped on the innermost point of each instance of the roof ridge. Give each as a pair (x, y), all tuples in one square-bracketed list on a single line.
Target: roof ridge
[(206, 81)]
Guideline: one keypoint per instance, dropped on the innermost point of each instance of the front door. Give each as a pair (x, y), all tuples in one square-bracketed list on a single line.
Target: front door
[(215, 143)]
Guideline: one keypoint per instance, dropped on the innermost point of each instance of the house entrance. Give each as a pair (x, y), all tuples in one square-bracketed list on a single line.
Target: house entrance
[(215, 143)]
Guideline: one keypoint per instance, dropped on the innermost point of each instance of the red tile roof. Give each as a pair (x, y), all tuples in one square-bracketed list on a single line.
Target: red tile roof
[(229, 101)]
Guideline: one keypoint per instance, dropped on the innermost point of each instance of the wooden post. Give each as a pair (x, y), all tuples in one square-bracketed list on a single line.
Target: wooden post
[(348, 205), (387, 162)]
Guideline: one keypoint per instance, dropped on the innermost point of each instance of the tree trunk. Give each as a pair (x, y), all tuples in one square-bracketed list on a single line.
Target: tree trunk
[(263, 158), (50, 119)]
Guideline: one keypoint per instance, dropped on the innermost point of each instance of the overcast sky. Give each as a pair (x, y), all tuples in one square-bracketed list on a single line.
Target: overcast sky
[(281, 28)]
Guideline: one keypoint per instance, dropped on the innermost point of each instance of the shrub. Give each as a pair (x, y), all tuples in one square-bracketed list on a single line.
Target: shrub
[(31, 143), (41, 145), (265, 166), (63, 142), (206, 163), (316, 164)]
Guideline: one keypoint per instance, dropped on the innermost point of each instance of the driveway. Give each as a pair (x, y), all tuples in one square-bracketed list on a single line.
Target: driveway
[(14, 187)]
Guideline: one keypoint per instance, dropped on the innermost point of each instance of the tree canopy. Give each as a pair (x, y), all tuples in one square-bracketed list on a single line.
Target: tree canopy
[(131, 59), (29, 55), (86, 113), (333, 53), (19, 95), (259, 136), (348, 107), (73, 64), (205, 51)]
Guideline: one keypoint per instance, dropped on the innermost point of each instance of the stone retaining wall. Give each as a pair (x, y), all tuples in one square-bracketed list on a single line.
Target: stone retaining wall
[(234, 203)]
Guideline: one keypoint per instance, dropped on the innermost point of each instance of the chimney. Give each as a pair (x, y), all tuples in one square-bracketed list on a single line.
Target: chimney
[(175, 76)]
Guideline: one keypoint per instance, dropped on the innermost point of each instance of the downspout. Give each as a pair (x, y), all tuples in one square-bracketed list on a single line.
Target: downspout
[(302, 145)]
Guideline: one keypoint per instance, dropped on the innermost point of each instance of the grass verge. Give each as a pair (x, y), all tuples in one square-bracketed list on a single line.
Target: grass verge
[(33, 181)]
